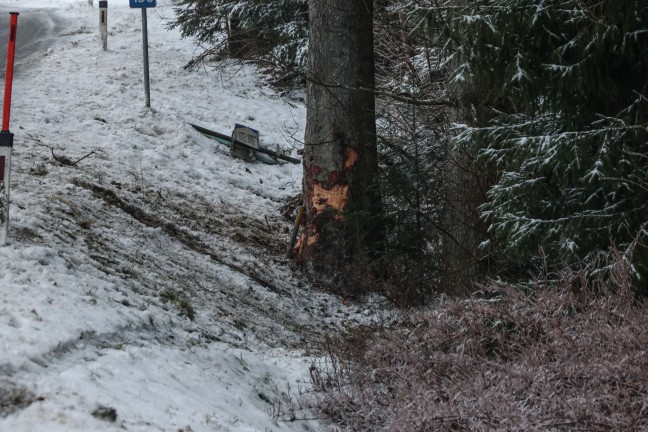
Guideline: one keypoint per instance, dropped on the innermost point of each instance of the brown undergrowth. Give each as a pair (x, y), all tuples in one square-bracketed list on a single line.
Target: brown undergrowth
[(568, 355)]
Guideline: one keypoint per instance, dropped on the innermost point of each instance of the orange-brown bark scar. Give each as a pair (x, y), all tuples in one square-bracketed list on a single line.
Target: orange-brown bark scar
[(350, 158), (312, 239), (335, 197)]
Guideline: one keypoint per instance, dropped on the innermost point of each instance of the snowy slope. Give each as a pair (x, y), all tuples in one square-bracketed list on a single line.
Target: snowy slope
[(107, 258)]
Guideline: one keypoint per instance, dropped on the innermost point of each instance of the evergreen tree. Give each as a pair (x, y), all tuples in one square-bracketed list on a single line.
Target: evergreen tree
[(568, 95), (273, 33), (412, 136), (459, 179)]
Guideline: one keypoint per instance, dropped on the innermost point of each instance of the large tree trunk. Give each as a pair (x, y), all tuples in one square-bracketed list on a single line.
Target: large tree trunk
[(464, 262), (466, 182), (342, 236)]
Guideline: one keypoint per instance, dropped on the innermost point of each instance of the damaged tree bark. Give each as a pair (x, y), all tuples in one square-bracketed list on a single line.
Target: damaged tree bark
[(342, 236)]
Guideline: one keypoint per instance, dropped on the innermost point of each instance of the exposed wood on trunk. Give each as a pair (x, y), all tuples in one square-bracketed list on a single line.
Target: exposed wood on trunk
[(335, 198)]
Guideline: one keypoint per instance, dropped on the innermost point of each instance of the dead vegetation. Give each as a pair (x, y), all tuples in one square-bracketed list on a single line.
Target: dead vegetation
[(567, 355), (14, 398)]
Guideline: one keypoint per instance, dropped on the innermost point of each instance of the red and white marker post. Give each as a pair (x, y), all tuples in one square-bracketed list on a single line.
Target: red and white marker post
[(6, 137), (103, 23)]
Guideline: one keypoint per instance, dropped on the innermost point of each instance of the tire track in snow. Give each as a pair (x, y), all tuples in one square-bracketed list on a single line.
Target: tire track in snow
[(174, 231)]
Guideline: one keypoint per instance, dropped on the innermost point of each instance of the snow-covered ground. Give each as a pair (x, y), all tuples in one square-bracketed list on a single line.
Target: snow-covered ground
[(108, 257)]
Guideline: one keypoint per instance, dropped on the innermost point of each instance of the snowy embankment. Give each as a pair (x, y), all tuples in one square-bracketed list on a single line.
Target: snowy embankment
[(109, 257)]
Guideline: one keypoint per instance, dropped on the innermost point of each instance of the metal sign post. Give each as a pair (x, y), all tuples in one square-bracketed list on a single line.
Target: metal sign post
[(145, 4), (103, 23), (6, 137), (147, 86)]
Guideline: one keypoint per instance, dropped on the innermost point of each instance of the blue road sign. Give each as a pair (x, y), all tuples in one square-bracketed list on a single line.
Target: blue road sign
[(142, 3)]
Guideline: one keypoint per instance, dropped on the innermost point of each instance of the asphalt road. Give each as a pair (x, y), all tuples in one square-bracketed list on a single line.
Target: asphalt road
[(36, 30)]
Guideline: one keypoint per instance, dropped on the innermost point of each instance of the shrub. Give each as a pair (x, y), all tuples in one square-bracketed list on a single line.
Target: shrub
[(565, 355)]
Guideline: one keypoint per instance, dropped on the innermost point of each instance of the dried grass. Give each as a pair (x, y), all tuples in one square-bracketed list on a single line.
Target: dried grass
[(571, 356)]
